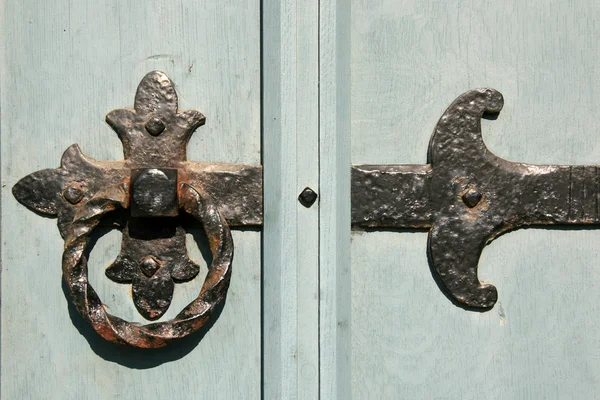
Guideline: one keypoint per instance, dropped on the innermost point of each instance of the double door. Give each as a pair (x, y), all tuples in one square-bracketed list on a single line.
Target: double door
[(315, 309)]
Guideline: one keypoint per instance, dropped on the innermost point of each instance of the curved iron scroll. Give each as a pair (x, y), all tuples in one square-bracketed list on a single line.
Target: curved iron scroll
[(146, 191), (467, 196)]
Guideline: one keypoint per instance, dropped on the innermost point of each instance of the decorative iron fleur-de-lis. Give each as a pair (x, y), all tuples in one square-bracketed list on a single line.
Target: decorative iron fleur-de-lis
[(149, 188)]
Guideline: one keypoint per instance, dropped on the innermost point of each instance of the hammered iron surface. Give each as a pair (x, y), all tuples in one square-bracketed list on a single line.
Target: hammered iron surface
[(466, 197), (84, 192)]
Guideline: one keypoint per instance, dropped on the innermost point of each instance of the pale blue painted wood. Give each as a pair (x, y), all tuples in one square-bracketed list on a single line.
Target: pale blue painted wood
[(410, 59), (278, 353), (64, 65), (334, 216), (402, 338), (307, 139), (291, 162)]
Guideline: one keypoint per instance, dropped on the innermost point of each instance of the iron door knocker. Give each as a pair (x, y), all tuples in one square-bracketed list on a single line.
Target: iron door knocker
[(147, 189)]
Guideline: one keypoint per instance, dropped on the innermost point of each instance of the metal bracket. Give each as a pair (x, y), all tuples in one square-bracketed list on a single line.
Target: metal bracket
[(146, 191), (466, 197)]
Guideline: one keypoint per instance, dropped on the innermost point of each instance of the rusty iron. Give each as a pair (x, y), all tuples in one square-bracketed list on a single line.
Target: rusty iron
[(144, 194), (467, 196)]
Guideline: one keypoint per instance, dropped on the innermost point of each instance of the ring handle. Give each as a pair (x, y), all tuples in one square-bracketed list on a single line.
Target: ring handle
[(192, 200)]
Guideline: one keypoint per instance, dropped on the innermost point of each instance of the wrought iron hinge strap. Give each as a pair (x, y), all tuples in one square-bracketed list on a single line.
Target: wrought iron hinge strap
[(467, 196)]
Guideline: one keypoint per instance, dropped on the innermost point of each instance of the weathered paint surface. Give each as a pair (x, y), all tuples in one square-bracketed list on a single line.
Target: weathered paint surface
[(409, 61), (291, 231), (64, 65), (387, 332)]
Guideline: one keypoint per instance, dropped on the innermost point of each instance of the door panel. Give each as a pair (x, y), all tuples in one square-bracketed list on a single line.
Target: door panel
[(64, 66), (345, 314), (410, 60)]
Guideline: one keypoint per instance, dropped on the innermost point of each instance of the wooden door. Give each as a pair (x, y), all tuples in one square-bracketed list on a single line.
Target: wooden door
[(64, 66), (409, 60), (315, 310)]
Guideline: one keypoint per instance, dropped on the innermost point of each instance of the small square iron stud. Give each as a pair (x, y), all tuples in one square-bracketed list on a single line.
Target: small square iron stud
[(154, 192), (308, 197)]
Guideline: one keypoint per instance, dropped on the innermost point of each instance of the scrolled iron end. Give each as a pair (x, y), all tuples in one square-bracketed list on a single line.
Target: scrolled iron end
[(457, 135), (463, 223)]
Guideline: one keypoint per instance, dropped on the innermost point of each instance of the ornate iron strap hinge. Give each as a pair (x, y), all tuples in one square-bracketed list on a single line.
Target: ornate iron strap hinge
[(144, 195), (466, 197)]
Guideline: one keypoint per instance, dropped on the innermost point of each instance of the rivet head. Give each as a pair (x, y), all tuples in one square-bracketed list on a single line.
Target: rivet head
[(73, 193), (149, 265), (155, 126), (471, 198), (308, 197)]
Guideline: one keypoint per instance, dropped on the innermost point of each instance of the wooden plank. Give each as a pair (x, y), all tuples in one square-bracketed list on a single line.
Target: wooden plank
[(64, 65), (290, 254), (334, 216), (307, 136), (410, 59)]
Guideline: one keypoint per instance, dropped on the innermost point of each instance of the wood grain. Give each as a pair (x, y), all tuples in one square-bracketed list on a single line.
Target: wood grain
[(291, 162), (410, 59), (334, 216), (64, 65), (383, 70)]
